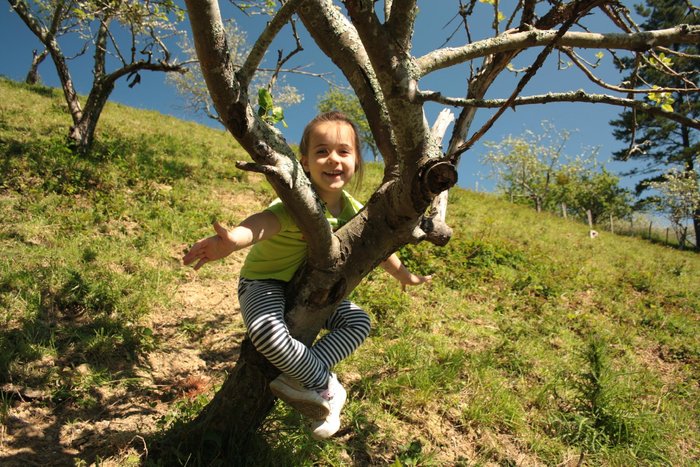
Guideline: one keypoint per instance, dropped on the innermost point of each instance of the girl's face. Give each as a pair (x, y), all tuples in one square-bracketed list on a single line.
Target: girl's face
[(331, 158)]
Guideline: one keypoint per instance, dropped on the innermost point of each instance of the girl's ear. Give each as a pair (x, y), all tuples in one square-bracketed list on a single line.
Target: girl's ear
[(305, 162)]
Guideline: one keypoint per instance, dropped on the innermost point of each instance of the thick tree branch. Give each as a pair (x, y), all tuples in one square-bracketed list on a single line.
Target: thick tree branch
[(393, 67), (640, 41), (372, 33), (98, 69), (394, 70), (401, 22)]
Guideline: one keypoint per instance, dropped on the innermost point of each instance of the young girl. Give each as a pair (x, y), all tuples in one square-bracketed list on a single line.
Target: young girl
[(330, 156)]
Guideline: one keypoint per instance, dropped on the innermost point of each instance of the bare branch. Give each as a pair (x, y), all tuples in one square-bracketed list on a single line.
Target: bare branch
[(579, 63), (509, 42), (518, 89), (573, 96), (282, 60), (264, 40)]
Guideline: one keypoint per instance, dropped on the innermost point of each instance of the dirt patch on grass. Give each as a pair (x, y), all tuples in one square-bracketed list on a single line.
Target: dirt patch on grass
[(196, 339)]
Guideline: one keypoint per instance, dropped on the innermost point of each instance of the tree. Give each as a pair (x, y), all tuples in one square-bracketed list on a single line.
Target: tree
[(672, 73), (336, 99), (134, 33), (532, 168), (592, 189), (525, 166), (679, 199), (373, 50), (33, 73)]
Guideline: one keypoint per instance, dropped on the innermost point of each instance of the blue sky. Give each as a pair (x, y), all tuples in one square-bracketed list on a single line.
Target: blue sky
[(587, 122)]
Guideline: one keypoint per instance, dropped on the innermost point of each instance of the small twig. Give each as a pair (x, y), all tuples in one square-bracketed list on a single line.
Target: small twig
[(518, 89), (282, 60)]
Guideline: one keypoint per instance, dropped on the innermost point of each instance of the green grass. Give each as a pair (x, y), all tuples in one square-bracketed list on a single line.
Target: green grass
[(533, 344)]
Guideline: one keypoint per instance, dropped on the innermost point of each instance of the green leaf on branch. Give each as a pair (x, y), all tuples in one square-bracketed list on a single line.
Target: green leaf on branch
[(267, 110), (662, 99)]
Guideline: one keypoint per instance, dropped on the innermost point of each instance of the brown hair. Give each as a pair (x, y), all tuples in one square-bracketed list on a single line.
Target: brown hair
[(336, 116)]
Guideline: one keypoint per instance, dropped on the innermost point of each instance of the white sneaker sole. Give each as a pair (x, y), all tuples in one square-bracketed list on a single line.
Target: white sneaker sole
[(302, 400)]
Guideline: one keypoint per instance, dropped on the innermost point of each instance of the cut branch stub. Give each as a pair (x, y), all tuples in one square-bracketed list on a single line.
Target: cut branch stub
[(439, 176), (437, 232)]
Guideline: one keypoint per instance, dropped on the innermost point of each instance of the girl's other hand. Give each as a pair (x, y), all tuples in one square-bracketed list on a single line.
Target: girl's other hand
[(211, 248), (415, 279)]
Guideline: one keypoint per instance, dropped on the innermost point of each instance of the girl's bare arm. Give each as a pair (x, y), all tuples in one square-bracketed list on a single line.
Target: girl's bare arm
[(393, 266), (255, 228)]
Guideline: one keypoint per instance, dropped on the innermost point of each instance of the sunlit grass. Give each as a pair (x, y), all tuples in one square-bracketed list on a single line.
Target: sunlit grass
[(533, 344)]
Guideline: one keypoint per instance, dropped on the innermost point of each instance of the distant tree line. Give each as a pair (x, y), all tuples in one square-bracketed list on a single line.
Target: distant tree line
[(532, 169)]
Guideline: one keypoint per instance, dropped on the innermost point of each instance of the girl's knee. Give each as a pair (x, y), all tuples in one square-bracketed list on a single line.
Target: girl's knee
[(364, 323)]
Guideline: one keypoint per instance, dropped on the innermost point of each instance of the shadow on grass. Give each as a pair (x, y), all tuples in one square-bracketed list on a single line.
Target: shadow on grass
[(60, 369), (50, 165)]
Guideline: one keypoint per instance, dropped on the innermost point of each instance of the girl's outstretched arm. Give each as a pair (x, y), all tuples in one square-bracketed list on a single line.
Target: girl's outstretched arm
[(393, 266), (255, 228)]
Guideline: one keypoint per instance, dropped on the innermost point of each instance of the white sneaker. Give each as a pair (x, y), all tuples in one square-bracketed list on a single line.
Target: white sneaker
[(308, 402), (336, 395)]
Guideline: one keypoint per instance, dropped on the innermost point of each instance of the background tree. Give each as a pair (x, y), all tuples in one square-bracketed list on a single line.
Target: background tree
[(192, 87), (33, 73), (533, 169), (673, 73), (373, 50), (132, 33), (525, 166), (591, 188), (679, 198), (336, 99)]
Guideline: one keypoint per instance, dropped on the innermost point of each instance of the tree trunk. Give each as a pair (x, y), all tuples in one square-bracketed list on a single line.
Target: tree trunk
[(82, 134), (696, 227), (244, 399), (33, 74)]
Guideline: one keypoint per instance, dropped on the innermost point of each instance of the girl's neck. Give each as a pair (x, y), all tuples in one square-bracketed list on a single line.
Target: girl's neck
[(334, 203)]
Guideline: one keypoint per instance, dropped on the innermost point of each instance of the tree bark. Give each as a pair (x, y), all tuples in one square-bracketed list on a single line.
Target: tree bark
[(82, 134)]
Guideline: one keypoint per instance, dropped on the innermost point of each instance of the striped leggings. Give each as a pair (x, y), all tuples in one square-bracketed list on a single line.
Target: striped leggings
[(262, 306)]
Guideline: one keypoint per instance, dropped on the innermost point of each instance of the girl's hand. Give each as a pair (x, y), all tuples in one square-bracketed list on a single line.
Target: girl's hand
[(415, 279), (210, 248)]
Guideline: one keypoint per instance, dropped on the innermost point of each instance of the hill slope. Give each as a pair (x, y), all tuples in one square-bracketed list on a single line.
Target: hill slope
[(533, 345)]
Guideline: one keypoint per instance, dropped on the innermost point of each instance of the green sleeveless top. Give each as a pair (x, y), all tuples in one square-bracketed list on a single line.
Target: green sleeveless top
[(280, 256)]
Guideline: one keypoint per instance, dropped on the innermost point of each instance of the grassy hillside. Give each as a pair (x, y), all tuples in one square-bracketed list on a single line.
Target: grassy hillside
[(533, 344)]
